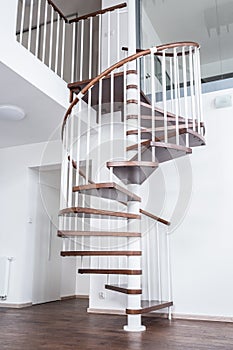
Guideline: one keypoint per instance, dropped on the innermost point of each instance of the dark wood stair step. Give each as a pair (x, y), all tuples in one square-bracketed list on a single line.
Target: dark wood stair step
[(97, 213), (122, 288), (133, 172), (106, 93), (101, 253), (146, 119), (110, 271), (109, 190), (163, 151), (148, 306), (195, 139), (66, 233)]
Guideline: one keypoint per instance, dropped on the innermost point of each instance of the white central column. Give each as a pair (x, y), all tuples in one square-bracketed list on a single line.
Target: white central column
[(134, 243)]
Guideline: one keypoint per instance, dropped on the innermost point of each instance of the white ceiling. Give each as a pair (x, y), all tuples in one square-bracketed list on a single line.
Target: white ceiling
[(209, 22), (43, 115)]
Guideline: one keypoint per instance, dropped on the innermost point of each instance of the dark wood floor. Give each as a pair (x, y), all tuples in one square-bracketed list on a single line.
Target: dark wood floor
[(66, 325)]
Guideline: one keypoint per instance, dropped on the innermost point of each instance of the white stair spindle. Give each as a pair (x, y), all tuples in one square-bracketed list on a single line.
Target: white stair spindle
[(171, 85), (38, 29), (169, 275), (81, 50), (125, 110), (164, 83), (51, 38), (90, 47), (158, 263), (63, 47), (45, 31), (176, 94), (118, 34), (191, 87), (73, 51), (152, 63), (139, 109), (57, 43), (22, 22), (148, 244), (88, 134), (109, 42), (100, 45), (200, 88), (185, 93), (197, 89), (30, 25), (111, 122)]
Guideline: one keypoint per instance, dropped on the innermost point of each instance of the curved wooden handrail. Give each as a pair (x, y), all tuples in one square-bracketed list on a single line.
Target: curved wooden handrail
[(100, 12), (119, 64)]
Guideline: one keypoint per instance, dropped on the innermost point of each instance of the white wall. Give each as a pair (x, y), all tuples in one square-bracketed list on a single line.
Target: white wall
[(17, 234)]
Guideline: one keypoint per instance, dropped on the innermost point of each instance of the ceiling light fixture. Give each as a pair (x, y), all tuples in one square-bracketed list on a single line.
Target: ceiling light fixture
[(11, 113)]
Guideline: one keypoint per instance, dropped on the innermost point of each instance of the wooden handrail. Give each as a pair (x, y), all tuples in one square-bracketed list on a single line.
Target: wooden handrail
[(100, 12), (57, 10), (118, 65), (154, 217)]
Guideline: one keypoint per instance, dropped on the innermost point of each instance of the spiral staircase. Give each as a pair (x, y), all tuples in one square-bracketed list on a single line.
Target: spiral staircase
[(116, 133)]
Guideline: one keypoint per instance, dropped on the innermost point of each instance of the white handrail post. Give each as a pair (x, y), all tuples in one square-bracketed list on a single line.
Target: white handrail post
[(38, 28), (22, 22), (30, 25)]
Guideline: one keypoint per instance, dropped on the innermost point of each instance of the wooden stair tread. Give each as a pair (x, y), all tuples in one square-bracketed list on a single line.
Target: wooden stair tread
[(133, 172), (146, 120), (163, 152), (122, 288), (110, 271), (106, 96), (195, 139), (109, 190), (101, 253), (67, 233), (91, 212), (148, 306)]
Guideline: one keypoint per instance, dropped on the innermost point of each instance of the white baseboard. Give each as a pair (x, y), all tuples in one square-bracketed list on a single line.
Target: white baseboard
[(175, 316), (15, 306)]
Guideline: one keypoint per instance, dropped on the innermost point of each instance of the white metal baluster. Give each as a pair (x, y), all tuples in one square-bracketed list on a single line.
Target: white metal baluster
[(63, 47), (38, 28), (153, 102), (30, 26), (111, 122), (73, 52), (99, 127), (169, 274), (148, 244), (191, 87), (185, 94), (200, 88), (118, 35), (178, 83), (90, 47), (139, 109), (100, 45), (144, 74), (197, 89), (45, 31), (109, 33), (57, 42), (176, 95), (171, 85), (164, 83), (81, 50), (88, 134), (125, 110), (158, 262), (22, 22), (51, 38)]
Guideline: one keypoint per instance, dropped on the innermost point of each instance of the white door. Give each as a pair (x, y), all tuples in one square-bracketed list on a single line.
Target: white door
[(47, 261)]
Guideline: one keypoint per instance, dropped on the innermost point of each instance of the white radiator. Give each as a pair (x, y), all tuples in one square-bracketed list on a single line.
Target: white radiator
[(4, 276)]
